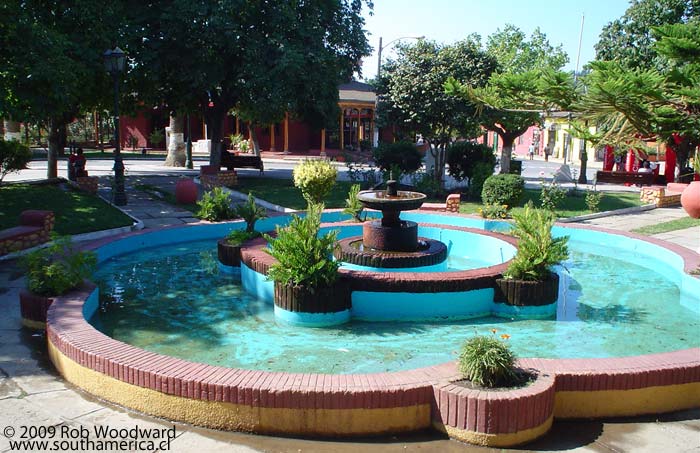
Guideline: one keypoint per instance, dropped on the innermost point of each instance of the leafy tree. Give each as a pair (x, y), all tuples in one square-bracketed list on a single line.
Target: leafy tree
[(516, 54), (413, 96), (629, 40), (14, 157), (630, 105), (51, 65), (258, 58)]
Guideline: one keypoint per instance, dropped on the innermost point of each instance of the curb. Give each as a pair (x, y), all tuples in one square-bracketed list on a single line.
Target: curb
[(598, 215), (265, 204)]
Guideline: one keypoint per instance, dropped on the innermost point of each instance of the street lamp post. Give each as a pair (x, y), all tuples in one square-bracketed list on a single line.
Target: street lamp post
[(114, 60), (189, 163), (379, 70)]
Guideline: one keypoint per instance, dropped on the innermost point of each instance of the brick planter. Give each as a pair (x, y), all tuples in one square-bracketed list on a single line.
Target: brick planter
[(527, 293), (228, 254), (33, 308), (495, 418), (302, 299)]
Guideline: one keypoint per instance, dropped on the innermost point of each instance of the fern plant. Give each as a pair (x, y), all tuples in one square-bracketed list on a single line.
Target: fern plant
[(251, 212), (353, 205), (303, 257), (538, 251)]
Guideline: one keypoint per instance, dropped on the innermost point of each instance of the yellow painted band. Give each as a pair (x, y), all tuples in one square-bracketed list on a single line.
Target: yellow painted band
[(496, 440), (221, 415), (614, 403), (35, 325)]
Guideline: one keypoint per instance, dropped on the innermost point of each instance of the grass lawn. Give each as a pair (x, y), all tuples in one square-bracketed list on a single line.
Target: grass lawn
[(283, 193), (165, 196), (671, 225), (571, 206), (76, 211)]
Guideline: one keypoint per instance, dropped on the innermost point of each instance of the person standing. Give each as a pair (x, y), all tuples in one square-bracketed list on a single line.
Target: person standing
[(531, 151)]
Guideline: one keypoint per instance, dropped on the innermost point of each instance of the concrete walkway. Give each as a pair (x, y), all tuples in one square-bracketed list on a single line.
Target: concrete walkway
[(32, 394)]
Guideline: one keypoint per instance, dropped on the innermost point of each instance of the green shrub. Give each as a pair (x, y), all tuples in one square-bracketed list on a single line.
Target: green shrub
[(238, 237), (353, 205), (503, 189), (463, 157), (593, 198), (303, 257), (426, 183), (250, 212), (405, 155), (14, 156), (215, 206), (488, 361), (58, 268), (494, 211), (480, 173), (551, 196), (156, 137), (537, 251), (315, 179)]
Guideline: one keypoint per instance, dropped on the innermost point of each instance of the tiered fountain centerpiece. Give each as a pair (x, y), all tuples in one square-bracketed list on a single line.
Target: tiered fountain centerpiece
[(390, 242)]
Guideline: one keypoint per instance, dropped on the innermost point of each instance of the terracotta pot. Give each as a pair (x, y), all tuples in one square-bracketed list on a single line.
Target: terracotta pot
[(33, 307), (313, 300), (690, 199), (525, 293), (186, 191), (228, 254)]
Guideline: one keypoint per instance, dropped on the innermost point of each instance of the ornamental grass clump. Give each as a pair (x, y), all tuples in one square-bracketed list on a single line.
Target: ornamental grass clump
[(315, 179), (303, 257), (488, 361), (537, 251)]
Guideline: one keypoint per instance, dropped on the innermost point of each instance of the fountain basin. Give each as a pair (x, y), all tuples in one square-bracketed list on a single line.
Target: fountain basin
[(402, 201)]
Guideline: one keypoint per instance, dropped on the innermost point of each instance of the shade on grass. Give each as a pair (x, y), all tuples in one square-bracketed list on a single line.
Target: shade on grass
[(76, 211)]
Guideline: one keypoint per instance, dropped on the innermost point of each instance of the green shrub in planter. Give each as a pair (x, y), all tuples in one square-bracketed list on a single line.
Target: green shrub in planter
[(503, 189), (215, 206), (353, 205), (238, 237), (303, 257), (315, 179), (480, 173), (488, 361), (463, 157), (537, 251), (251, 212), (58, 268)]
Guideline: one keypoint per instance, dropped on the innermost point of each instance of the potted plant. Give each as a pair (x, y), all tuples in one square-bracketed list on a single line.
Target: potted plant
[(493, 402), (690, 198), (305, 274), (52, 271), (229, 248), (529, 279)]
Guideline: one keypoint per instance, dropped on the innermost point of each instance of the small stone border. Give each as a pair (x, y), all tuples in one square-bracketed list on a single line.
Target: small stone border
[(435, 253)]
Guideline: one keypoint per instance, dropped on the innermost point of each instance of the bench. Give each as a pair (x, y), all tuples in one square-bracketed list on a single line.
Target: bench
[(34, 229), (232, 161), (624, 177)]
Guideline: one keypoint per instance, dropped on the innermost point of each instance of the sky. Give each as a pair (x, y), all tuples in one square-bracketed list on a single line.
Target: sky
[(447, 21)]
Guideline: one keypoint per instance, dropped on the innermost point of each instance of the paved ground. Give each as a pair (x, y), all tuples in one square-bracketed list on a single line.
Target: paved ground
[(31, 394)]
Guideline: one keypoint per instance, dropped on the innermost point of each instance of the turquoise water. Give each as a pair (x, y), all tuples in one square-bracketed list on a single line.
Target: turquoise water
[(173, 301)]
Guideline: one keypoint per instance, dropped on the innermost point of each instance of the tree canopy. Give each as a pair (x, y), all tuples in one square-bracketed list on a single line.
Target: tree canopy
[(515, 53), (629, 40), (411, 89)]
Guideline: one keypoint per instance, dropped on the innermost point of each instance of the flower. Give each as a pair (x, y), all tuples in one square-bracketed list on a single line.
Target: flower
[(493, 331), (505, 336)]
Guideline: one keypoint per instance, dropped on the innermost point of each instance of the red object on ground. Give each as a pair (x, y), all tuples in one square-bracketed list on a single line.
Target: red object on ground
[(186, 191), (670, 169), (690, 199), (608, 158)]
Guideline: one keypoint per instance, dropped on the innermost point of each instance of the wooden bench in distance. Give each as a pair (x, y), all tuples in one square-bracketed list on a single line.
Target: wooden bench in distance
[(622, 177), (232, 161)]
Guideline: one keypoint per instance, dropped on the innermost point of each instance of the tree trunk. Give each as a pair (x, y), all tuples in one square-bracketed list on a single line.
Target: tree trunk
[(439, 157), (506, 151), (55, 127), (254, 139), (12, 131), (62, 139), (176, 146), (215, 119), (584, 166)]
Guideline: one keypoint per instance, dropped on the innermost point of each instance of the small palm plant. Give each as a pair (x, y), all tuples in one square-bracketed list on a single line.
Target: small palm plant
[(538, 251), (251, 212)]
